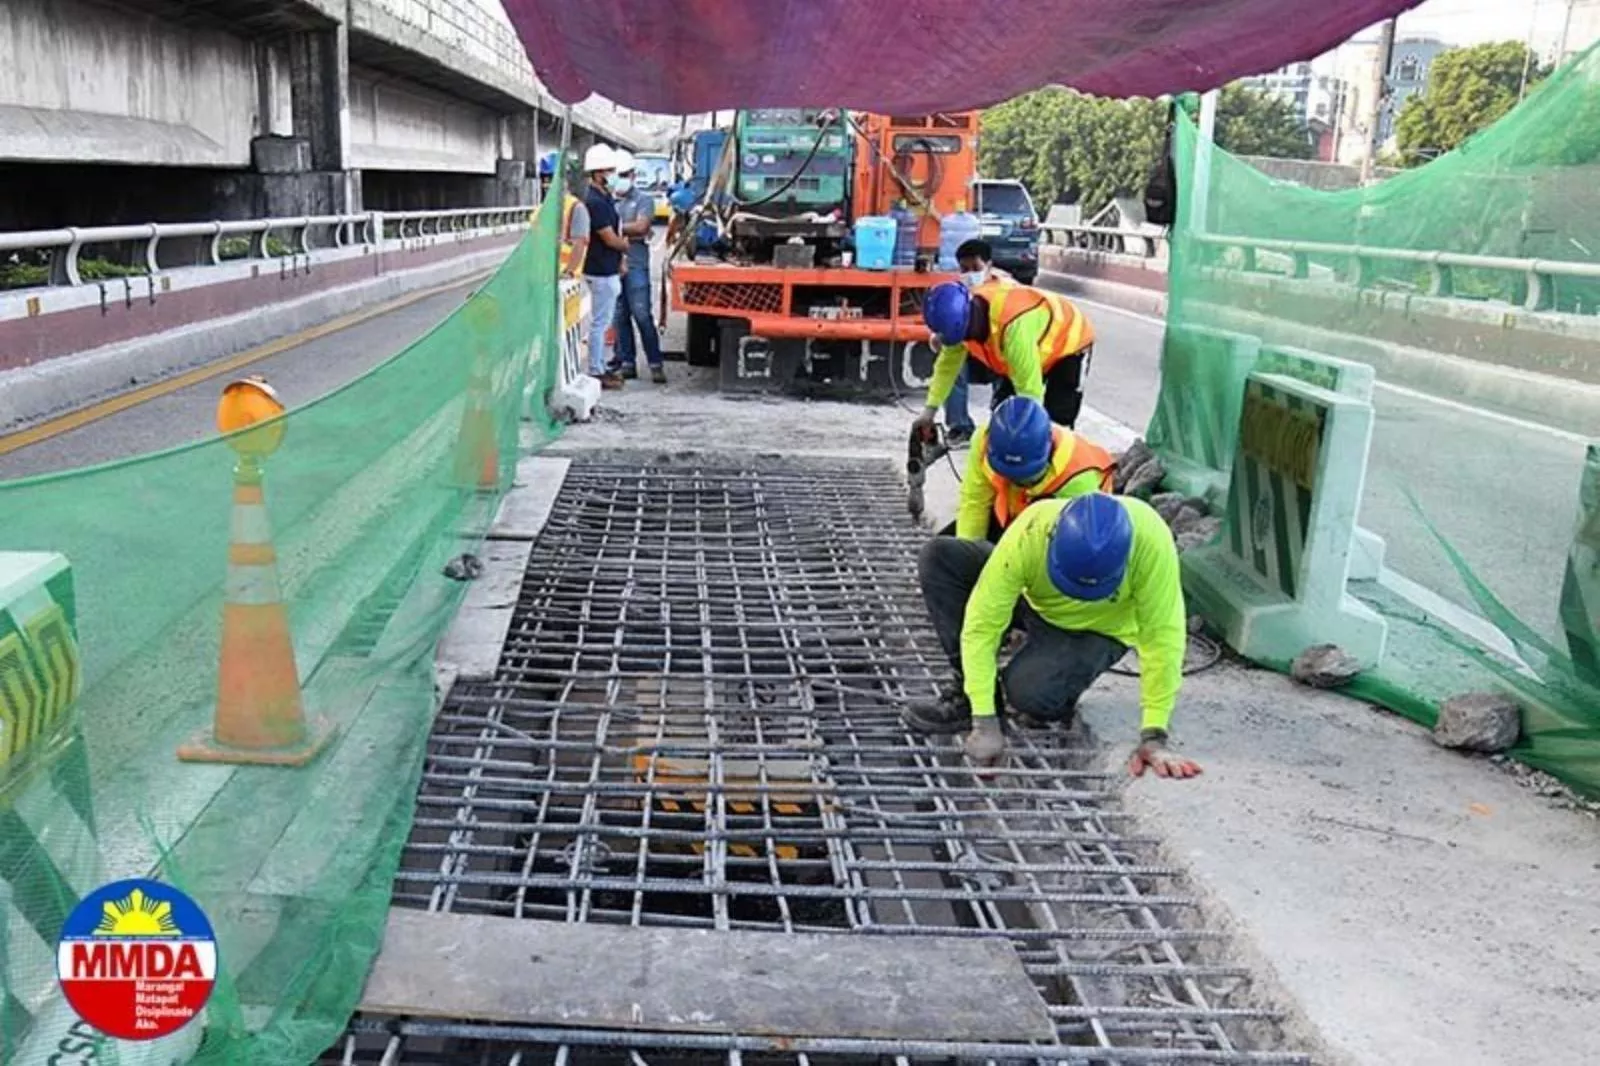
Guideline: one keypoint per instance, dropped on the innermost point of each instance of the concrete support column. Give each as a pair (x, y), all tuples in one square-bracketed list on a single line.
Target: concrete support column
[(319, 70), (274, 97), (302, 170), (517, 169)]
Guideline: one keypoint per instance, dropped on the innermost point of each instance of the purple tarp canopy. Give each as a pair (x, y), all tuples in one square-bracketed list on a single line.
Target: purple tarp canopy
[(915, 56)]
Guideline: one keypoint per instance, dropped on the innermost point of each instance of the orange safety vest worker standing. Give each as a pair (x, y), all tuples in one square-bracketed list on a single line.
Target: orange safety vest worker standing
[(574, 219), (1020, 458), (1035, 342)]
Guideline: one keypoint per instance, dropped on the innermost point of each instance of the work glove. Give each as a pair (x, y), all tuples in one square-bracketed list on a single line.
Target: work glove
[(985, 744), (924, 422), (1152, 754)]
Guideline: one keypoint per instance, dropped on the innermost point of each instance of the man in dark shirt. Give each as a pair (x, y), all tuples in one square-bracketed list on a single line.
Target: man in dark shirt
[(603, 264)]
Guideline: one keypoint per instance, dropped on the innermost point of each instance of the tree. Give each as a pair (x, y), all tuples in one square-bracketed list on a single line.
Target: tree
[(1253, 122), (1468, 89), (1068, 147)]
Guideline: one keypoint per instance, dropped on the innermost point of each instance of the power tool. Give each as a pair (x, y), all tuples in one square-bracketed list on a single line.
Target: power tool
[(927, 446)]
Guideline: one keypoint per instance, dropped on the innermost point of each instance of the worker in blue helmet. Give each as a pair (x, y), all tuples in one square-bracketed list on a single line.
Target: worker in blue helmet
[(1018, 459), (574, 217), (1035, 343), (1095, 575)]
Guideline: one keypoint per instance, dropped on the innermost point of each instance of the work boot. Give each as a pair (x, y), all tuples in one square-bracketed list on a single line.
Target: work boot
[(958, 436), (610, 380), (658, 374), (630, 372), (950, 712)]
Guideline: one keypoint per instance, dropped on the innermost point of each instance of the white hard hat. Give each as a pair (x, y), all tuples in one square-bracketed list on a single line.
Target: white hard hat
[(623, 161), (599, 157)]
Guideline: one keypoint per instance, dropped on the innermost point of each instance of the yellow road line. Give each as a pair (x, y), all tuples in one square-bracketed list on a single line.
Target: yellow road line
[(105, 408)]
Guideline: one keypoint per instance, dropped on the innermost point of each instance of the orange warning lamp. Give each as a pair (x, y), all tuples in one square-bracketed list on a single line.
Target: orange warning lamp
[(249, 402)]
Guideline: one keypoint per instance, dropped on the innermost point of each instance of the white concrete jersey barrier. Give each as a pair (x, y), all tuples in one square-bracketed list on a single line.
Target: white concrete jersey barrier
[(1191, 431), (577, 392), (1580, 586), (49, 849), (1195, 436), (1275, 582), (1348, 378)]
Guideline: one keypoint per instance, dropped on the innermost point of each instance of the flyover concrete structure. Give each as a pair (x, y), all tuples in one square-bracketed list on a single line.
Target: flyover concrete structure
[(271, 107)]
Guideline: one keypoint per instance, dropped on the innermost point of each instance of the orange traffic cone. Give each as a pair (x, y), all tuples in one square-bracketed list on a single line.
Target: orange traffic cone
[(477, 449), (259, 717)]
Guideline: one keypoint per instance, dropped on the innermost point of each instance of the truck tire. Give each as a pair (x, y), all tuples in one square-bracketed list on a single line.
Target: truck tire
[(701, 347)]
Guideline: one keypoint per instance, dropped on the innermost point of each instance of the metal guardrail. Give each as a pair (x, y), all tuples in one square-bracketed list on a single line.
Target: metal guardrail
[(1361, 262), (341, 231), (1104, 239)]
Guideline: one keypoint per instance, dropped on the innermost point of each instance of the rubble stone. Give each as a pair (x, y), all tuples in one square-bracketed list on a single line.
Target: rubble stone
[(1167, 505), (1129, 462), (1146, 479), (1324, 666), (1478, 721), (1200, 532)]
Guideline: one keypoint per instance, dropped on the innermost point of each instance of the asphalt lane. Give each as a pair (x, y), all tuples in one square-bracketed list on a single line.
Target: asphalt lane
[(299, 374), (1503, 492)]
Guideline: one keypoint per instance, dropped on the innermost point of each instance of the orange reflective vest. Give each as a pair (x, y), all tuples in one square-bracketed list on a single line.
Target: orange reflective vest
[(568, 202), (1067, 333), (1070, 455)]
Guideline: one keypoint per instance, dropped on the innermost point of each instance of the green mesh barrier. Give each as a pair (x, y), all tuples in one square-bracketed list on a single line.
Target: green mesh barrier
[(1478, 511), (373, 490)]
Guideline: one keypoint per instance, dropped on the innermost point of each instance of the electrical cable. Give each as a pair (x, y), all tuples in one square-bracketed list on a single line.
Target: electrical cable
[(923, 192), (816, 145), (1210, 651)]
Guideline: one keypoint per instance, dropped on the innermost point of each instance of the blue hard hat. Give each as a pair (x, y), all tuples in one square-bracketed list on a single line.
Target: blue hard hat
[(1089, 548), (946, 309), (1020, 439), (547, 165)]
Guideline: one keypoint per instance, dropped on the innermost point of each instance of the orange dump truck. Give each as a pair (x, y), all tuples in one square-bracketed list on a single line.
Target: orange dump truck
[(781, 306)]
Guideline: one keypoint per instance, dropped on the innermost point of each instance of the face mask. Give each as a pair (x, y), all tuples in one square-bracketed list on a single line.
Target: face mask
[(619, 185), (975, 278)]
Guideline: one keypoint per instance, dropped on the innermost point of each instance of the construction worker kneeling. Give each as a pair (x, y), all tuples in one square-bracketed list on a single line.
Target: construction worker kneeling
[(1095, 574), (1018, 459)]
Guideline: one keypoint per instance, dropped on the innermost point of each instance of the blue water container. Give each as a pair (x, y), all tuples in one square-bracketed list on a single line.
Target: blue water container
[(905, 236), (875, 242), (956, 229)]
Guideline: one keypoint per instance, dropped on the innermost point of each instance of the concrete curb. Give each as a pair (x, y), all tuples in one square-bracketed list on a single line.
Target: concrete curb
[(1557, 402), (34, 393), (1128, 297)]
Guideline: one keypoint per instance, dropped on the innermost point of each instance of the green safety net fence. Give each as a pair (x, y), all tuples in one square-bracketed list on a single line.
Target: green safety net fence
[(1490, 580), (373, 490)]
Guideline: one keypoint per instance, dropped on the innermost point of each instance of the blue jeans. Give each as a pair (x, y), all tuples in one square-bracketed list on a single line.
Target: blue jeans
[(956, 413), (634, 309), (603, 292)]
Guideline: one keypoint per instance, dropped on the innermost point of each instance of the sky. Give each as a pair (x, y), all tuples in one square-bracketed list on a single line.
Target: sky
[(1466, 22)]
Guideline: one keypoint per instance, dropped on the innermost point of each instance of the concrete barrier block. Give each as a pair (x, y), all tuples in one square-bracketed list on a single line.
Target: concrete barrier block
[(1193, 431), (39, 671), (577, 394), (1344, 376), (1275, 581), (1580, 584)]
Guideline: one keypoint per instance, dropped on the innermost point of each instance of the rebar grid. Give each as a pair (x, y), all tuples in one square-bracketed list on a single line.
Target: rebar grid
[(695, 722)]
